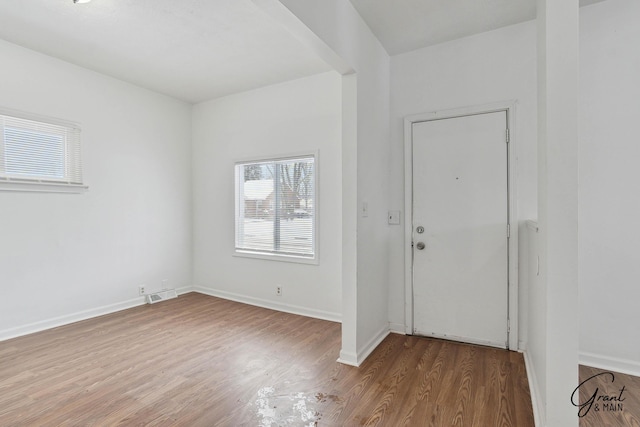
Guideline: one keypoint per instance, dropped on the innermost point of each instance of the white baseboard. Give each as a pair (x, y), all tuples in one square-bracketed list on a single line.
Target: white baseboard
[(537, 404), (184, 290), (287, 308), (77, 317), (348, 358), (398, 328), (67, 319), (624, 366), (374, 342)]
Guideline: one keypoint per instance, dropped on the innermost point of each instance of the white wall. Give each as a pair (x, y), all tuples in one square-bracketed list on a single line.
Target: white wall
[(494, 66), (536, 324), (609, 177), (365, 169), (65, 257), (300, 116), (557, 234)]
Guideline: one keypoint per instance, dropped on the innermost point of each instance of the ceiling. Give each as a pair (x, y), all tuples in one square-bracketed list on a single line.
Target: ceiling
[(196, 50), (193, 50), (406, 25)]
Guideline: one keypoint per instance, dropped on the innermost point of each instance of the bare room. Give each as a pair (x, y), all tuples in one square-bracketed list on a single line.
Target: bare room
[(319, 213)]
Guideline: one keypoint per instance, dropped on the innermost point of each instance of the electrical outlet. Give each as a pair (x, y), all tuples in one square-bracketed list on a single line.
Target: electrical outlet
[(141, 290), (165, 284), (279, 291)]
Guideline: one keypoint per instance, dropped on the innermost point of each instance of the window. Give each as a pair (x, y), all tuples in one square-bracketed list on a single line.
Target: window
[(41, 155), (276, 207)]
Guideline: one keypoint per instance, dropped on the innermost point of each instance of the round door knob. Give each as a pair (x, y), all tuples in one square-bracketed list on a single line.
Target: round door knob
[(420, 246)]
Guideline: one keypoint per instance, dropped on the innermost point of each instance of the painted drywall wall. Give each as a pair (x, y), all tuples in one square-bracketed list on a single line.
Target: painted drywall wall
[(536, 324), (609, 176), (495, 66), (365, 288), (297, 117), (69, 256), (557, 66)]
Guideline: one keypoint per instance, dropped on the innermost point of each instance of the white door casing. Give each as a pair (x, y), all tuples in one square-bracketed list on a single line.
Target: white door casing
[(459, 186)]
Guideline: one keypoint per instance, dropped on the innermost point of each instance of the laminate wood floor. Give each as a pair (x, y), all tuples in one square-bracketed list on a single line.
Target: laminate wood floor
[(609, 399), (203, 361)]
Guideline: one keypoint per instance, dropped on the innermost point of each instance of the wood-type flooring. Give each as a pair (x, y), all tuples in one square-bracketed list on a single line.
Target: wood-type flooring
[(608, 399), (204, 361)]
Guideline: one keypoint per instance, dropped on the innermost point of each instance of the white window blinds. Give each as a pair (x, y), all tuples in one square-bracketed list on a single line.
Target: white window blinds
[(34, 151), (276, 207)]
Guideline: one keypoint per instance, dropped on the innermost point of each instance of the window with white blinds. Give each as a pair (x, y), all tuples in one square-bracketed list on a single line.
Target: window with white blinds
[(38, 152), (276, 207)]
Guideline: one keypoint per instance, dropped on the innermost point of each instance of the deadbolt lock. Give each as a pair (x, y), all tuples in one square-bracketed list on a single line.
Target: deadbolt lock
[(420, 230)]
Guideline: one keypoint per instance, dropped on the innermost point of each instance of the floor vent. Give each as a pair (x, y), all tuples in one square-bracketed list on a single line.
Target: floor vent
[(161, 296)]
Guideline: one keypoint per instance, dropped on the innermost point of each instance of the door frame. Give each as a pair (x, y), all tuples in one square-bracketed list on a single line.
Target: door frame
[(509, 107)]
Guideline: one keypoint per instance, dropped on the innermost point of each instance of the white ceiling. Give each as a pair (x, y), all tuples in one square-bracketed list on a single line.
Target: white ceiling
[(405, 25), (196, 50), (193, 50)]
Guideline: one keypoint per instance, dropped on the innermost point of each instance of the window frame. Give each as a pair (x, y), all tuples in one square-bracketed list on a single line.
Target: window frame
[(274, 256), (43, 185)]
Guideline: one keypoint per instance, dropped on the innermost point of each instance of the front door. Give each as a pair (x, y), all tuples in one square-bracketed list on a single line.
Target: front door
[(460, 228)]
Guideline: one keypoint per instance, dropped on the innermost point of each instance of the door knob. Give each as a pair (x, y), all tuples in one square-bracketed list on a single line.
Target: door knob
[(420, 246)]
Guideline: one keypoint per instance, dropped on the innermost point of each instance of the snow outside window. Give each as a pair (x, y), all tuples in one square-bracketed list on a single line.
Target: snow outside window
[(276, 207)]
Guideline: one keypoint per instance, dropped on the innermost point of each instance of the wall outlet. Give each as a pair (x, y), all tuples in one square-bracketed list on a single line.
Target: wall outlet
[(164, 284), (141, 290), (279, 291)]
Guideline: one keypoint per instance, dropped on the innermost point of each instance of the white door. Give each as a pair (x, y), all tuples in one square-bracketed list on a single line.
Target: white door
[(460, 237)]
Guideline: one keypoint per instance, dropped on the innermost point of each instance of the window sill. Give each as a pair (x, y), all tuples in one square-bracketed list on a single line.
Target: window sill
[(41, 187), (276, 257)]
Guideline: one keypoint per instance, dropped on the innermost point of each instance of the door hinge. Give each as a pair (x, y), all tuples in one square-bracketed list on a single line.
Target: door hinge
[(508, 231), (507, 136), (508, 325)]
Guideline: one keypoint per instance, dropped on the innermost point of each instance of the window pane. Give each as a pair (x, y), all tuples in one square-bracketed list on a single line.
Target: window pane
[(42, 153), (31, 153), (296, 206), (275, 207), (258, 210)]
